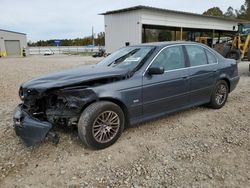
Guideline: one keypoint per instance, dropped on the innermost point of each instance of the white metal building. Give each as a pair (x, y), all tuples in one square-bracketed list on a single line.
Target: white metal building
[(12, 43), (128, 26)]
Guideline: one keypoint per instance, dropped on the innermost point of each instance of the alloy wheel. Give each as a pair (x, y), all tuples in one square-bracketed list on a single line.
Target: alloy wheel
[(106, 126), (221, 94)]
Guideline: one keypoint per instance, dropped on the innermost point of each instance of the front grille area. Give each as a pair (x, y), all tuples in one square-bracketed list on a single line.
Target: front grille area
[(35, 107)]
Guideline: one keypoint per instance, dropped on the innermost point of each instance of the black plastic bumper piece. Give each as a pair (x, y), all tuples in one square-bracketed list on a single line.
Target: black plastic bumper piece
[(32, 131), (233, 83)]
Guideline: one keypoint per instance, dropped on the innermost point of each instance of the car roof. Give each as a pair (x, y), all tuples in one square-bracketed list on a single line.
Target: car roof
[(163, 44)]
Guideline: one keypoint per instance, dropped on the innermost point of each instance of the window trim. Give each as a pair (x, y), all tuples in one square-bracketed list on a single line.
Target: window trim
[(208, 51), (158, 55), (204, 49), (185, 54)]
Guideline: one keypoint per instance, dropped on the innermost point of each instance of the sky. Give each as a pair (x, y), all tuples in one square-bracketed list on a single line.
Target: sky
[(61, 19)]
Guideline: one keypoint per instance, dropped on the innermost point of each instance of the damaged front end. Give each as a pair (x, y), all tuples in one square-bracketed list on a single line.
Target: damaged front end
[(58, 99), (39, 112)]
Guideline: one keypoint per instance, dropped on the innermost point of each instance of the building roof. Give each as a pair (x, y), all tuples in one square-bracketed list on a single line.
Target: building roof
[(140, 7), (12, 32)]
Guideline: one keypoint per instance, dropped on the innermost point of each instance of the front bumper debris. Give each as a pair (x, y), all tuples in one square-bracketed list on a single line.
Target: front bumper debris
[(31, 130)]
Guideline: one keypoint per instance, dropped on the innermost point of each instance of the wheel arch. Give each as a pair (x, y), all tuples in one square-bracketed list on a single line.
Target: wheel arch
[(227, 81), (120, 104), (115, 101)]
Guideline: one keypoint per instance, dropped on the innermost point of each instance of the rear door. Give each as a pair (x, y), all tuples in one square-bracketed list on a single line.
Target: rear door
[(166, 92), (202, 72)]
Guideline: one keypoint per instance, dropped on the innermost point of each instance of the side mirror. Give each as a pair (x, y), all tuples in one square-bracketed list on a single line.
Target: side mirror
[(156, 70)]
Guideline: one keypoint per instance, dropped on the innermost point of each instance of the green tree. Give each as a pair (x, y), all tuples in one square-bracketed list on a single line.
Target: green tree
[(246, 14), (241, 13), (215, 11), (100, 40), (230, 12)]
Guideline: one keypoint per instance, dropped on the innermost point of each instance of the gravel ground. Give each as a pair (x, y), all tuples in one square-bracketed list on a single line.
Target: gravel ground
[(199, 147)]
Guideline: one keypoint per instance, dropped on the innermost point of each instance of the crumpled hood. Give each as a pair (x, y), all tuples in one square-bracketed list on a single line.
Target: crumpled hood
[(72, 77)]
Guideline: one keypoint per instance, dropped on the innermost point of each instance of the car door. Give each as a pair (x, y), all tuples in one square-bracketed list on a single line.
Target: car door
[(166, 92), (202, 72)]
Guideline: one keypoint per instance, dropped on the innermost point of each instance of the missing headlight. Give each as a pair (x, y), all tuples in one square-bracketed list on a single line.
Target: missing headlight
[(57, 101)]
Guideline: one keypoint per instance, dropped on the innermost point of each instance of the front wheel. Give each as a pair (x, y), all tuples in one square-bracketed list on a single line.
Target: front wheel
[(219, 95), (101, 124)]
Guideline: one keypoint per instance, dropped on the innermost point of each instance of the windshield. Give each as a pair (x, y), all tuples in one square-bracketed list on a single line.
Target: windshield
[(128, 57)]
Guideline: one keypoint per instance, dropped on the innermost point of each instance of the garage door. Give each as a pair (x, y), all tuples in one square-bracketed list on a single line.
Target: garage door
[(12, 47)]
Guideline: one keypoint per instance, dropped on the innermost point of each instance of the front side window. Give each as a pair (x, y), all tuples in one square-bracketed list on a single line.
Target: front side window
[(211, 58), (171, 58), (197, 55)]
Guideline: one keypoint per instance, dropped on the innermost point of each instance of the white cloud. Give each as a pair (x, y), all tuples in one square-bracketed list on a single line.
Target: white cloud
[(47, 19)]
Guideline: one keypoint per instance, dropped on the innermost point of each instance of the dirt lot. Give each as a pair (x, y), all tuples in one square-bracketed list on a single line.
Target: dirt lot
[(199, 147)]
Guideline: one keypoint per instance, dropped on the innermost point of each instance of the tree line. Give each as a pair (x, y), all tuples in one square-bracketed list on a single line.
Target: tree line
[(99, 40), (242, 13)]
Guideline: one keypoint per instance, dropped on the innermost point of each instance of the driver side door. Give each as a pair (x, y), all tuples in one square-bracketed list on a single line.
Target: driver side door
[(166, 92)]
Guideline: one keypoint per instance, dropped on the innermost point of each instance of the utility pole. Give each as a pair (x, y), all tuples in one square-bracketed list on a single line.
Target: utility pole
[(93, 37)]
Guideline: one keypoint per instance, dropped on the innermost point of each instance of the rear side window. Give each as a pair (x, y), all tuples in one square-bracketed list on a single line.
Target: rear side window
[(171, 58), (211, 58), (197, 56)]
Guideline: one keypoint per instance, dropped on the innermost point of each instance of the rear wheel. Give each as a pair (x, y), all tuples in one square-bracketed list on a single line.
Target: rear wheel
[(219, 95), (101, 124)]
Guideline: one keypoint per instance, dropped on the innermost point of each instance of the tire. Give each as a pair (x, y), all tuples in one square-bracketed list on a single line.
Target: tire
[(92, 123), (233, 54), (215, 103)]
